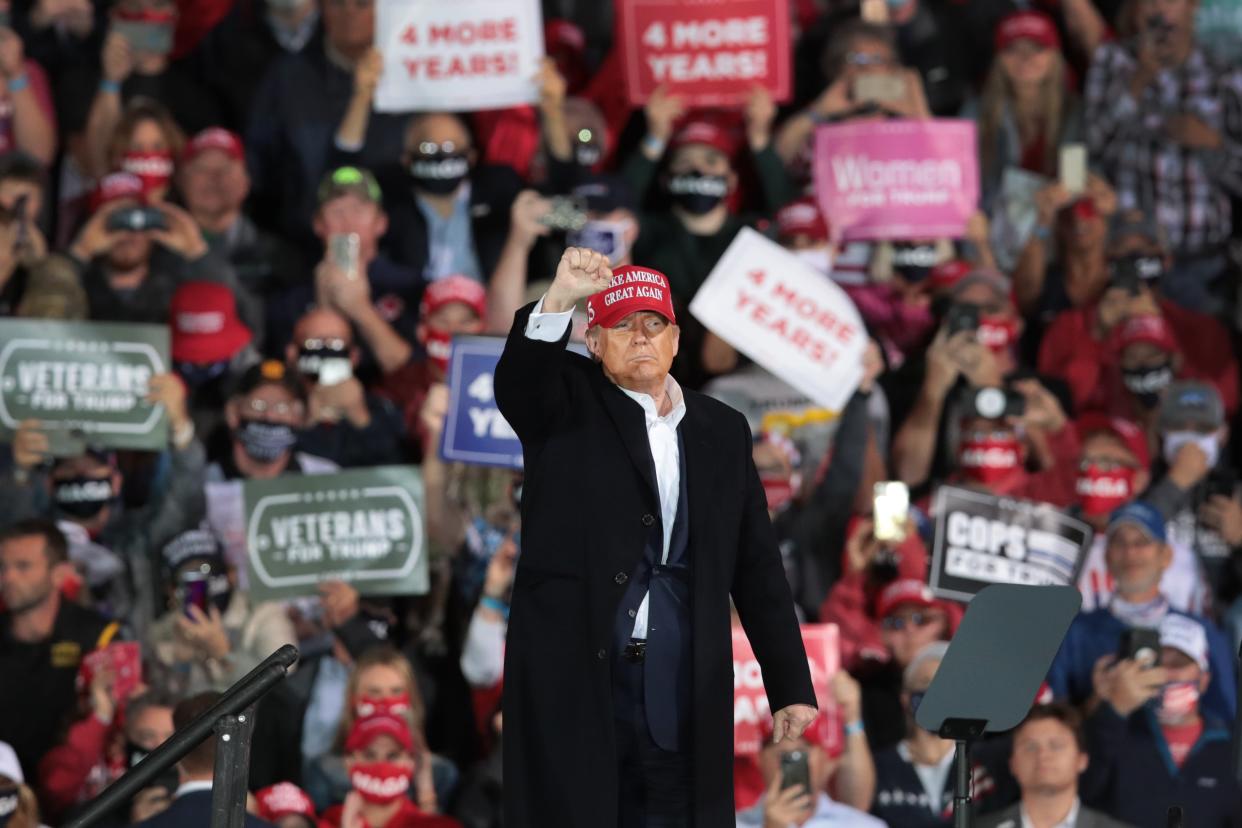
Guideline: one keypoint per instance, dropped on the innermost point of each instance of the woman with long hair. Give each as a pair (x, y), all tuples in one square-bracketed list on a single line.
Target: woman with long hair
[(1027, 111)]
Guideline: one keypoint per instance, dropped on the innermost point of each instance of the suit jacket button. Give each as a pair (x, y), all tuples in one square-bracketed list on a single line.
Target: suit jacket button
[(633, 613), (601, 655), (648, 520), (621, 577)]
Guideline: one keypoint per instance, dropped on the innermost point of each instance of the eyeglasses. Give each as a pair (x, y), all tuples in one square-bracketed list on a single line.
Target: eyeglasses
[(868, 59), (282, 409), (317, 344), (442, 148), (918, 619)]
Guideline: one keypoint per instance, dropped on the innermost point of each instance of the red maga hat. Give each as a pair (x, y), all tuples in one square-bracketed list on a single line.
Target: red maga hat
[(1093, 422), (214, 138), (367, 730), (1027, 25), (205, 327), (284, 799), (801, 218), (632, 289), (455, 288)]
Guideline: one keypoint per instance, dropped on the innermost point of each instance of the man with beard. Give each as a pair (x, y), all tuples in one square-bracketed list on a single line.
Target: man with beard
[(130, 274), (42, 638)]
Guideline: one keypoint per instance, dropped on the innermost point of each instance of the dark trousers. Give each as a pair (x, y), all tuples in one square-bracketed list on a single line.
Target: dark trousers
[(654, 784)]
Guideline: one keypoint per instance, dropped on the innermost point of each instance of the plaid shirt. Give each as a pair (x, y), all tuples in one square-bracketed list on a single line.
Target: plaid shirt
[(1187, 190)]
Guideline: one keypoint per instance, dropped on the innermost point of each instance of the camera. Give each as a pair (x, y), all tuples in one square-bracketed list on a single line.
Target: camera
[(1131, 272), (998, 403), (137, 219), (961, 317)]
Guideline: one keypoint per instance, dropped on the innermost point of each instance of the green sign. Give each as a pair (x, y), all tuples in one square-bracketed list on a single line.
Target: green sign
[(87, 376), (364, 526)]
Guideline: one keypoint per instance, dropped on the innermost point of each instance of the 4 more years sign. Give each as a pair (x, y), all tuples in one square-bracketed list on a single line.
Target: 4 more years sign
[(89, 376), (365, 526)]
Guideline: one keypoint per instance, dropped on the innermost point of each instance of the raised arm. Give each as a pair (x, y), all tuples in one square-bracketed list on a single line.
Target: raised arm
[(528, 385)]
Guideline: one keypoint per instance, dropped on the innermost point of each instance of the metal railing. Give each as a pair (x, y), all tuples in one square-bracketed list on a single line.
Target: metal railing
[(231, 719)]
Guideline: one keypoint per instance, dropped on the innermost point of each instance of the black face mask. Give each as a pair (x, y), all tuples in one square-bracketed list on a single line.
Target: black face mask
[(439, 173), (265, 442), (587, 155), (82, 497), (697, 193), (913, 262), (9, 800), (309, 359), (1146, 384), (198, 375)]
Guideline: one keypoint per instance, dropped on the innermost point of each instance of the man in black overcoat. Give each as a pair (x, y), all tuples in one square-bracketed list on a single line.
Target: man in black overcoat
[(642, 513)]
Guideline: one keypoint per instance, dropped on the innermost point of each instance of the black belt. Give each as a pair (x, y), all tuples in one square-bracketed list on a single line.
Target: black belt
[(635, 652)]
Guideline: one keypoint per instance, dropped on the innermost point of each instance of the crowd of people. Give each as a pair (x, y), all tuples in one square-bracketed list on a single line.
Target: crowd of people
[(313, 259)]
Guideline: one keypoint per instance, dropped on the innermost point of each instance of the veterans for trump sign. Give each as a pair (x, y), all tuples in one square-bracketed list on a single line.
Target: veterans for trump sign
[(365, 526), (89, 376), (789, 318), (983, 539), (897, 179), (750, 702), (709, 52), (457, 55)]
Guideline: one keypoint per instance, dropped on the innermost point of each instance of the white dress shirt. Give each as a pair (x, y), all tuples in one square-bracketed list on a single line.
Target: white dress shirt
[(661, 435)]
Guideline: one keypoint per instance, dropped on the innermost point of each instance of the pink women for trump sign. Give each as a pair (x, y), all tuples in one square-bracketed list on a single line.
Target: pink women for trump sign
[(908, 179)]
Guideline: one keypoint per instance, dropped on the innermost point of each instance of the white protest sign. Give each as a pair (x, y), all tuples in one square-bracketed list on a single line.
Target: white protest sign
[(785, 316), (457, 55)]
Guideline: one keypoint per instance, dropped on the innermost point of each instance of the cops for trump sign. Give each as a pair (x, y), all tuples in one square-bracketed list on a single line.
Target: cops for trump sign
[(89, 376), (897, 179), (365, 526), (983, 539), (792, 320)]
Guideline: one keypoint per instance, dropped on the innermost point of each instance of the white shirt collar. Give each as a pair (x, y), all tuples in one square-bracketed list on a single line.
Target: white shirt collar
[(675, 395), (1071, 819), (193, 786)]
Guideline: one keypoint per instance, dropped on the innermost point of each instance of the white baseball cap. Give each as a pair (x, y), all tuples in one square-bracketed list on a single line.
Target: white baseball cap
[(9, 766), (1185, 635)]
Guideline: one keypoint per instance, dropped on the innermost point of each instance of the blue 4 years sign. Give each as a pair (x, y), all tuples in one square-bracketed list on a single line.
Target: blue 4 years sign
[(474, 431)]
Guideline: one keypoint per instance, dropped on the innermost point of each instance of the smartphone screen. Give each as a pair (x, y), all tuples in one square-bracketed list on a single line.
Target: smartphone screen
[(1140, 645), (152, 38), (795, 770), (345, 250), (1073, 168), (891, 510), (879, 87), (193, 591), (334, 371)]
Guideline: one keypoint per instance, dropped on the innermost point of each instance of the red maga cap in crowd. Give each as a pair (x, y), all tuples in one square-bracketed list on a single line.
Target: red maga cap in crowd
[(632, 289), (455, 288), (1027, 25), (214, 138), (284, 799), (1148, 328), (365, 731), (1127, 432), (801, 218), (205, 327), (905, 591), (706, 132)]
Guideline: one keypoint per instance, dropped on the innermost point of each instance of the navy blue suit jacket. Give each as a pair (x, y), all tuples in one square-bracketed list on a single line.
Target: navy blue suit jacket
[(192, 810)]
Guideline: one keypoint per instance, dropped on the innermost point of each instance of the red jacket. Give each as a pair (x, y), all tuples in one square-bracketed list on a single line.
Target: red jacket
[(76, 769), (851, 604), (408, 817), (1071, 351)]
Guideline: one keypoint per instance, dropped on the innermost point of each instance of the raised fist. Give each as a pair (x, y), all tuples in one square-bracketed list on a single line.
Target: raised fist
[(581, 273)]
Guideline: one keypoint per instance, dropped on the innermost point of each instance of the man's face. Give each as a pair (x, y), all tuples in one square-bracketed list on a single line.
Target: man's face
[(351, 213), (214, 183), (151, 727), (638, 350), (349, 25), (440, 133), (1135, 560), (26, 580), (321, 330), (909, 628), (1046, 759)]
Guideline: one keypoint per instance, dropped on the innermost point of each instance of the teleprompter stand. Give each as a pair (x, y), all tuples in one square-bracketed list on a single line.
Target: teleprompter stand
[(993, 669)]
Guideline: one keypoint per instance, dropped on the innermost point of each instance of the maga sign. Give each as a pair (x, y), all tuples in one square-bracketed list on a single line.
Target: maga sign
[(790, 319), (983, 539), (364, 526), (711, 52), (897, 179), (464, 55), (90, 376), (750, 702)]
